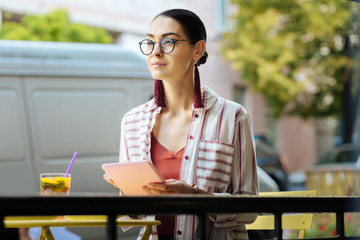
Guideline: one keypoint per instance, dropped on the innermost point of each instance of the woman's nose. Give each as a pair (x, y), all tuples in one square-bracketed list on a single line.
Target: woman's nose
[(157, 49)]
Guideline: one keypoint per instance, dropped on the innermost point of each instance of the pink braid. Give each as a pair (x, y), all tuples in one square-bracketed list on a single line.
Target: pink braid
[(159, 94), (198, 101)]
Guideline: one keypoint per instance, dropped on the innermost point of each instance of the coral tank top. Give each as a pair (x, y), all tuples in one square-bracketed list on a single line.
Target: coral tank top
[(168, 164)]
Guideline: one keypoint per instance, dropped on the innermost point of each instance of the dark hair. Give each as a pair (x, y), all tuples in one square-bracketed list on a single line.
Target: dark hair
[(192, 25), (195, 30)]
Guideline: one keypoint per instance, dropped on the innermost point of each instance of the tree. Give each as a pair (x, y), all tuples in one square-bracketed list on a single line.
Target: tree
[(295, 53), (54, 26)]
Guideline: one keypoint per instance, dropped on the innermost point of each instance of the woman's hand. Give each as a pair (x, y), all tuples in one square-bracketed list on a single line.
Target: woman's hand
[(170, 186), (109, 180)]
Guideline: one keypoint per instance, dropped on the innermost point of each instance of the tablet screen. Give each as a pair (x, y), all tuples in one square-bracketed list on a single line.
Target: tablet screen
[(132, 176)]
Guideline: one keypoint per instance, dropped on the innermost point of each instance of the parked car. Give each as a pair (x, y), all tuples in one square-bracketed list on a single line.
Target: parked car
[(335, 173), (343, 154), (271, 161), (266, 183), (346, 155)]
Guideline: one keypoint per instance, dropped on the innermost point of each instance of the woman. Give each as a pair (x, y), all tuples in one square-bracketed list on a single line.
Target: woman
[(201, 143)]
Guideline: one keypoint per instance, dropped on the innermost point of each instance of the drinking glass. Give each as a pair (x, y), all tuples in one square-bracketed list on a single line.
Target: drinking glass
[(55, 184)]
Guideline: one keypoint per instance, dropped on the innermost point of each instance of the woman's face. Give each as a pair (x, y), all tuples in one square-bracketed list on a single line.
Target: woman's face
[(177, 64)]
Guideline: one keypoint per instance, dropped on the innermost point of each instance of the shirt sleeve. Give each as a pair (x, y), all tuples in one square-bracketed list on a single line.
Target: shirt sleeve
[(123, 152), (244, 180)]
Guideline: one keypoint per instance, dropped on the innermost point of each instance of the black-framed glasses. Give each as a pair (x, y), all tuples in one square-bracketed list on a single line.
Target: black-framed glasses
[(167, 45)]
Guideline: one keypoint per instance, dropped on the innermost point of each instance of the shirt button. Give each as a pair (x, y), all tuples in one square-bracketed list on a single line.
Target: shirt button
[(186, 157), (191, 137), (179, 232), (196, 115)]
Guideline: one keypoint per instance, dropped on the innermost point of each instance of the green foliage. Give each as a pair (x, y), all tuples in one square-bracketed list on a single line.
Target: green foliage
[(293, 52), (54, 26)]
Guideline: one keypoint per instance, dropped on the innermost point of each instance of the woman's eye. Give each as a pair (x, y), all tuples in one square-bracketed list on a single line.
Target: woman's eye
[(166, 42)]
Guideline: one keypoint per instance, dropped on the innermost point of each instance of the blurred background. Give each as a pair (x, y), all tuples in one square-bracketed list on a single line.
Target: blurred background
[(69, 70)]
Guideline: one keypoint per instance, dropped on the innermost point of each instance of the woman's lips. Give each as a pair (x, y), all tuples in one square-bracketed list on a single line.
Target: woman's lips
[(157, 64)]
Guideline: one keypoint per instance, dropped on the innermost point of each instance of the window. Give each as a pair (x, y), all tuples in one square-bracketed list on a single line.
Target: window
[(221, 15), (239, 95)]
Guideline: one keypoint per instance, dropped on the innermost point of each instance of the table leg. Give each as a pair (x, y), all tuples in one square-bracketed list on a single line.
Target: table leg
[(46, 234), (201, 226), (147, 232), (111, 227), (2, 228)]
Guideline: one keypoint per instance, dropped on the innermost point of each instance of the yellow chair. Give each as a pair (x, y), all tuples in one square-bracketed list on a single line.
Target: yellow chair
[(45, 222), (299, 222)]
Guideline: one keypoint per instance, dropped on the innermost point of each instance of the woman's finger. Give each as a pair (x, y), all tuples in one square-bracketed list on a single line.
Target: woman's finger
[(156, 191), (157, 185), (109, 180)]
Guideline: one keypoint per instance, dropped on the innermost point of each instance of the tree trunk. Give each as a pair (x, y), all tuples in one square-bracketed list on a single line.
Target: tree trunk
[(348, 110)]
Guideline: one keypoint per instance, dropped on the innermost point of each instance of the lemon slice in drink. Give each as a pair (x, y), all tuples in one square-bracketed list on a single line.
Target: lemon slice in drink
[(49, 181), (65, 179)]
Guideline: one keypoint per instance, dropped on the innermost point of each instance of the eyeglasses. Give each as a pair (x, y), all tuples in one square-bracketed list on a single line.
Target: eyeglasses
[(167, 45)]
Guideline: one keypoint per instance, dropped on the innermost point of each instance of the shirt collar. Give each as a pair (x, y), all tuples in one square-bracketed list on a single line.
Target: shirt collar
[(209, 97)]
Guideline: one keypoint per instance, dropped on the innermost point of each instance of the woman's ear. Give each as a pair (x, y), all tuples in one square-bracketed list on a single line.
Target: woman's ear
[(199, 49)]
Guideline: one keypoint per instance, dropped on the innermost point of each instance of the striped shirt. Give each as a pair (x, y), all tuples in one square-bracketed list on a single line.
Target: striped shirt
[(219, 157)]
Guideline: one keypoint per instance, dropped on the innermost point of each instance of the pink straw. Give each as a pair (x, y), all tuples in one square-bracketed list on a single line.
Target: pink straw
[(71, 163)]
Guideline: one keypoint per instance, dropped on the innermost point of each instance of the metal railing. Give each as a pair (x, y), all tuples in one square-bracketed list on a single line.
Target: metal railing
[(178, 204)]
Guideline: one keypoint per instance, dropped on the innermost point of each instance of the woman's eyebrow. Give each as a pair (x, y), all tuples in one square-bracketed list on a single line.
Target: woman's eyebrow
[(163, 35)]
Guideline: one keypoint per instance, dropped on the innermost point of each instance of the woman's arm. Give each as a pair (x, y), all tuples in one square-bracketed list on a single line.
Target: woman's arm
[(123, 151)]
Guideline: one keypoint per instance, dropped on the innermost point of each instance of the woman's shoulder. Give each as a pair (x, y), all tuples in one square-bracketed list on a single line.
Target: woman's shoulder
[(216, 101), (232, 107)]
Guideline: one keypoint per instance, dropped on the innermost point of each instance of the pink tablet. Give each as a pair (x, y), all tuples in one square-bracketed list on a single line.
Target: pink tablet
[(132, 176)]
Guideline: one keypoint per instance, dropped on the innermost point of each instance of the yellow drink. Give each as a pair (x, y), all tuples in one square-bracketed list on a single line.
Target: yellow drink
[(55, 184)]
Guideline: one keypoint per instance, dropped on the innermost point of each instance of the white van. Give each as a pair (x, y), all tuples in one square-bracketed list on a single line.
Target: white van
[(61, 98)]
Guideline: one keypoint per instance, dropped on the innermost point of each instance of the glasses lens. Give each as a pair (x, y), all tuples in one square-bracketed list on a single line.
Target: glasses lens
[(146, 46), (167, 45)]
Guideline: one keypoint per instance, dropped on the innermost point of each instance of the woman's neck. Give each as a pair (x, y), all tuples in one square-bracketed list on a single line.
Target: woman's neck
[(179, 96)]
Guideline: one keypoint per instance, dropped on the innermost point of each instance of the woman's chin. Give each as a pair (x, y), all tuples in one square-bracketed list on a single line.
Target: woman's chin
[(157, 76)]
